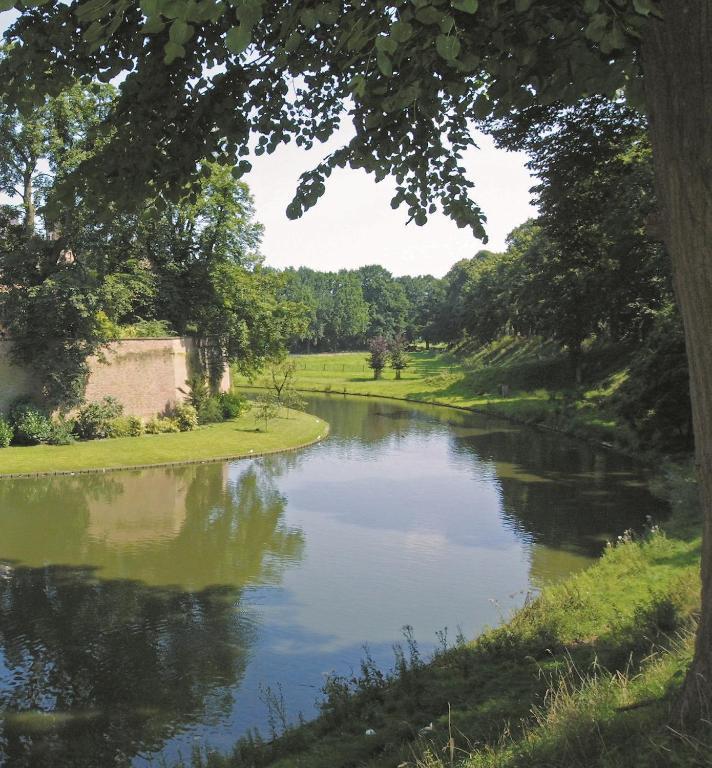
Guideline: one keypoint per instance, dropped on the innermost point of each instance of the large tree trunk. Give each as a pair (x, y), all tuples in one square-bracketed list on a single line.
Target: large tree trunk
[(677, 61)]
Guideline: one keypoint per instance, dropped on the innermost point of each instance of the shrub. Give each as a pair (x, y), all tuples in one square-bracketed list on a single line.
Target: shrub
[(126, 426), (211, 411), (146, 329), (232, 404), (655, 398), (379, 350), (31, 425), (161, 425), (186, 417), (198, 393), (135, 426), (93, 421), (62, 432), (6, 432)]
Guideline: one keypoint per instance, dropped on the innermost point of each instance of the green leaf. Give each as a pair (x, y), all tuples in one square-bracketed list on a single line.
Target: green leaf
[(591, 6), (238, 39), (149, 7), (386, 45), (643, 7), (428, 15), (327, 14), (448, 46), (401, 31), (596, 28), (521, 6), (614, 40), (173, 51), (482, 107), (249, 12), (94, 32), (153, 25), (447, 24), (384, 63), (91, 10), (308, 18), (358, 85), (468, 6), (180, 32), (293, 42)]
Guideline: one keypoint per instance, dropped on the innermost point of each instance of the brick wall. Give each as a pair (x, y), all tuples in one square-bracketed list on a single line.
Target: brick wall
[(145, 375)]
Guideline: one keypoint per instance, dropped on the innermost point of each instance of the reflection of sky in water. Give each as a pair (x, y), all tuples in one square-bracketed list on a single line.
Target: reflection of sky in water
[(405, 516)]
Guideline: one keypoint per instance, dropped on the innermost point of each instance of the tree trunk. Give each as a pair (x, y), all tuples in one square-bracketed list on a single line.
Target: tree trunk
[(398, 373), (28, 202), (677, 63), (575, 361)]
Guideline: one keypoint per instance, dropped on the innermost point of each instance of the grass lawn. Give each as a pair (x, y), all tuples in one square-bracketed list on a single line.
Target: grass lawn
[(231, 439)]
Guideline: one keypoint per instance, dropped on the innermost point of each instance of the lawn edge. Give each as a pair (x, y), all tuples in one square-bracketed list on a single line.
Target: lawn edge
[(179, 463)]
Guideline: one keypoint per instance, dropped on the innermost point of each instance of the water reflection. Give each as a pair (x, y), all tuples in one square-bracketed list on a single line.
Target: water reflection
[(95, 670), (560, 492), (122, 615), (190, 527)]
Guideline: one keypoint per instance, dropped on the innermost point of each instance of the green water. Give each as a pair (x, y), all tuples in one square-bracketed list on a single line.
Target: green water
[(142, 613)]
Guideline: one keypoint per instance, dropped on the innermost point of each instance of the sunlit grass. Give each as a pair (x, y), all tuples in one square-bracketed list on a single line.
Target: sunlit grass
[(233, 439)]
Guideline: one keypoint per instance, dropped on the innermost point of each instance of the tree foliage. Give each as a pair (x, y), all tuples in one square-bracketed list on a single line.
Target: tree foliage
[(409, 75)]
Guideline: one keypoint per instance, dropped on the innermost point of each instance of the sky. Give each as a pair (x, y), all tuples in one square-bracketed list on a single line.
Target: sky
[(353, 223)]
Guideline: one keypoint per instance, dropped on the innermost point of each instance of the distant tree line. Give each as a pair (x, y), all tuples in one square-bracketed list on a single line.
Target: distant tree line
[(346, 309)]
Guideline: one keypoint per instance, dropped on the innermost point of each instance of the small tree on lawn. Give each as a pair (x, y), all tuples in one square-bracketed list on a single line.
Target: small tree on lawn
[(266, 409), (378, 347), (280, 380), (399, 359)]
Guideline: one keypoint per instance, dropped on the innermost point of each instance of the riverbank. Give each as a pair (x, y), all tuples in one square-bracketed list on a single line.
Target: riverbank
[(534, 377), (528, 381), (234, 439), (584, 675)]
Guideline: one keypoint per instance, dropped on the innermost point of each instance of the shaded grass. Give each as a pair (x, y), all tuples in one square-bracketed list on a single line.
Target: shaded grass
[(232, 439)]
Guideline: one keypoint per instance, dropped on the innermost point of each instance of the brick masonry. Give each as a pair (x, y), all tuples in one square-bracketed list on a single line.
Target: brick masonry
[(147, 376)]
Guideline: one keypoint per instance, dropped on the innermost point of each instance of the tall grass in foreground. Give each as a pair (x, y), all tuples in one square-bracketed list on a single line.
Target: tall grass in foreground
[(595, 718)]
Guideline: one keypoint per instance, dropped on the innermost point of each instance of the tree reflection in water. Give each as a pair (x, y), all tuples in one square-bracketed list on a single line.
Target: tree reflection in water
[(142, 630)]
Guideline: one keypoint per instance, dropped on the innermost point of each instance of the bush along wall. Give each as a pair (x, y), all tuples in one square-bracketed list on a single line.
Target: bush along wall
[(28, 424)]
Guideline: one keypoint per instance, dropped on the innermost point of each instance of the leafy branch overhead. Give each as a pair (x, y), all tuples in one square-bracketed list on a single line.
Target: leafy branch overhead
[(200, 77)]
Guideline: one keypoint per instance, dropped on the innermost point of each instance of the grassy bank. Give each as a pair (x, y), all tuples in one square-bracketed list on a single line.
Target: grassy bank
[(537, 377), (584, 676), (231, 439)]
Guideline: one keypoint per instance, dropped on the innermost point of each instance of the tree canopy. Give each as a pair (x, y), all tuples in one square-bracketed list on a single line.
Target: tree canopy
[(202, 78)]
